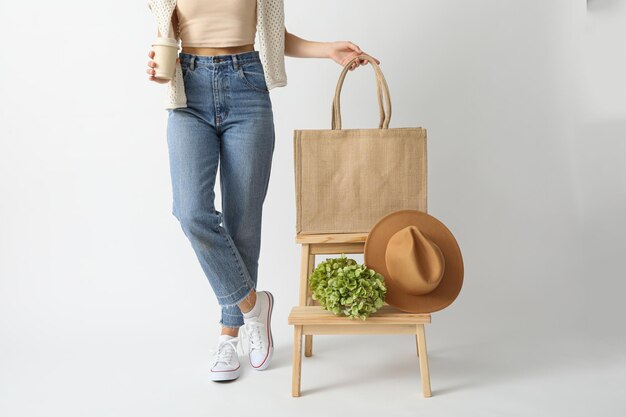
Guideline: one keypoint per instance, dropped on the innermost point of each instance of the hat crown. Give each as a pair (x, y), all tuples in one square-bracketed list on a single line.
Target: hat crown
[(414, 261)]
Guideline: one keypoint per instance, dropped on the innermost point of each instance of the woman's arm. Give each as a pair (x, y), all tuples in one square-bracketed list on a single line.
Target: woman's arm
[(339, 51)]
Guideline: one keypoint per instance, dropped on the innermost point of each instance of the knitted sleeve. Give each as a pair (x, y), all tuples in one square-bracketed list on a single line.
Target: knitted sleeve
[(163, 10), (271, 33)]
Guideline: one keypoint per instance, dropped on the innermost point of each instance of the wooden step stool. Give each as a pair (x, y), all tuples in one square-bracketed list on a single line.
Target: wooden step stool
[(310, 318)]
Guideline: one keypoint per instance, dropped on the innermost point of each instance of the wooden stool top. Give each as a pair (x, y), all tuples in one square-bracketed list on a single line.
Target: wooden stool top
[(331, 238)]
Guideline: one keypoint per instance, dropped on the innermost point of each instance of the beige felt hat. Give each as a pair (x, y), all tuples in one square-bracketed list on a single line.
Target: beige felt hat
[(419, 258)]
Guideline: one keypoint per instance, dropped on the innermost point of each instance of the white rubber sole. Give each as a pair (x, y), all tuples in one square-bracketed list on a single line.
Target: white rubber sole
[(225, 375)]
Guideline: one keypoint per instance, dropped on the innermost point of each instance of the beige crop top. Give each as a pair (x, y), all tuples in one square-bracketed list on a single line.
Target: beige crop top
[(216, 23)]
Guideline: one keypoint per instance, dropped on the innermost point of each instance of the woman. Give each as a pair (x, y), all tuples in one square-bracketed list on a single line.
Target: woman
[(228, 119)]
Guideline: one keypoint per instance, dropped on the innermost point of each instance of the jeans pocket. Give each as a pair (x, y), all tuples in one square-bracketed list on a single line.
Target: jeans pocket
[(252, 74)]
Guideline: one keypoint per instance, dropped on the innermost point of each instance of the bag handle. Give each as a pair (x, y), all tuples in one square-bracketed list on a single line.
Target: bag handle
[(381, 86)]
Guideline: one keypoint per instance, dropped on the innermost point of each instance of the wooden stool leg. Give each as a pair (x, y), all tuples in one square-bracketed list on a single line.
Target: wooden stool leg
[(297, 361), (423, 358), (308, 345), (417, 345), (308, 339), (304, 273)]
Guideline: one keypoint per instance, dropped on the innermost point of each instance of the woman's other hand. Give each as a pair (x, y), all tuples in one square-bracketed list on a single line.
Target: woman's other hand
[(343, 51), (151, 72)]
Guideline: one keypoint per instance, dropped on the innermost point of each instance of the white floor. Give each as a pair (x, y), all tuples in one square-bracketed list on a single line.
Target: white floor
[(164, 374)]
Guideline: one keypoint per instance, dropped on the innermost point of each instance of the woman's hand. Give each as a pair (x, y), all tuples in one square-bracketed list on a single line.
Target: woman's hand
[(151, 72), (343, 51)]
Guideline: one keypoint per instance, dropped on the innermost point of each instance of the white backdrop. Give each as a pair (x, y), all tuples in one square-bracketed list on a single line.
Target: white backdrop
[(105, 311)]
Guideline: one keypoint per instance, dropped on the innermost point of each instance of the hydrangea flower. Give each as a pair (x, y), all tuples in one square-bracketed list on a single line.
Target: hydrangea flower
[(345, 287)]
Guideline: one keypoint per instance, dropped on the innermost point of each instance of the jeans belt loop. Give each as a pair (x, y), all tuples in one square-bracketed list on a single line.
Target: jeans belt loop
[(235, 63), (192, 63)]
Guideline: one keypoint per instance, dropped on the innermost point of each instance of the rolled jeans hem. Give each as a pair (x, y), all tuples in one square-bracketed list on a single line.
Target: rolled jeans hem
[(236, 297), (231, 320)]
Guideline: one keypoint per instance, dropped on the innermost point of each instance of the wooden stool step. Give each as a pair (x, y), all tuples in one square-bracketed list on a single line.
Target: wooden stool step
[(315, 320), (316, 315)]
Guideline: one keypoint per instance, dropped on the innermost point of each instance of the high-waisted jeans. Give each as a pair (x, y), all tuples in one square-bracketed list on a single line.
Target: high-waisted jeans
[(228, 119)]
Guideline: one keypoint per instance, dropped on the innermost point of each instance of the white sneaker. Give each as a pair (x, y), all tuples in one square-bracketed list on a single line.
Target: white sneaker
[(225, 361), (259, 332)]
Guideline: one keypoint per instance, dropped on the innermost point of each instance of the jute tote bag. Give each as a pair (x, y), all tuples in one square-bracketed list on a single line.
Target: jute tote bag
[(347, 179)]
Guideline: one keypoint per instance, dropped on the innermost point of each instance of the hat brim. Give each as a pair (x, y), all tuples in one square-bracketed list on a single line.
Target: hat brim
[(452, 280)]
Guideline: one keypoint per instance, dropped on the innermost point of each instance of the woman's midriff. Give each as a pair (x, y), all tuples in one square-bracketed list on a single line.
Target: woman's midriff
[(209, 51)]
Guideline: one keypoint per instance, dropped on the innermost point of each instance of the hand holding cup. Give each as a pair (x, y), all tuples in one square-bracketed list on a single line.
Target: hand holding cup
[(163, 60), (151, 71)]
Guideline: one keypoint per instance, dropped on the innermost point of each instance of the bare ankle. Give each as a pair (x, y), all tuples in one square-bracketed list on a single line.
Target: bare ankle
[(232, 331)]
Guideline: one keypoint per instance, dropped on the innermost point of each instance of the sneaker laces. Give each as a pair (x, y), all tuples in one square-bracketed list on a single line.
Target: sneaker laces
[(222, 353), (254, 331)]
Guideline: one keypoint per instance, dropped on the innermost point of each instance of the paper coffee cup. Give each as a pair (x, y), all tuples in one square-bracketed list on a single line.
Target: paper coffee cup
[(165, 54)]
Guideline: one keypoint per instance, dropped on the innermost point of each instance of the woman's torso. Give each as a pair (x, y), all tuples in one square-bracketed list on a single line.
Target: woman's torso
[(216, 27)]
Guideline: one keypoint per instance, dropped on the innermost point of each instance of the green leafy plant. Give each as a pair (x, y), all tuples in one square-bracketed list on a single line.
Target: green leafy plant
[(343, 286)]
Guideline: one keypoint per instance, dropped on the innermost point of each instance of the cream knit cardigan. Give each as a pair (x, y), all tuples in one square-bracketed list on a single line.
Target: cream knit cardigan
[(271, 35)]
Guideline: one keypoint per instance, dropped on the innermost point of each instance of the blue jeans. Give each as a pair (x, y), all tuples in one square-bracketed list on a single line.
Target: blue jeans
[(228, 119)]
